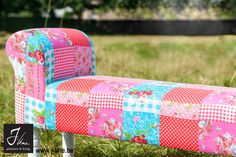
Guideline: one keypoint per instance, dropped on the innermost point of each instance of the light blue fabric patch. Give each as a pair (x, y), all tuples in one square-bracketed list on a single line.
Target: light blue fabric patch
[(141, 127), (141, 111), (39, 41)]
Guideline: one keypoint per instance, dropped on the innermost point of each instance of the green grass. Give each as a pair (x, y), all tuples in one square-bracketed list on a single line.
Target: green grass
[(198, 60)]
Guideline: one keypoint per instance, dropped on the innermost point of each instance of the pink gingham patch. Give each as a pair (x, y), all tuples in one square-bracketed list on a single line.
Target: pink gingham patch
[(106, 101), (218, 112)]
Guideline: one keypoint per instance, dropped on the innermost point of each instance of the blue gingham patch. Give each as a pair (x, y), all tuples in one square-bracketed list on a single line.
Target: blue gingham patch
[(34, 112), (49, 65), (50, 104)]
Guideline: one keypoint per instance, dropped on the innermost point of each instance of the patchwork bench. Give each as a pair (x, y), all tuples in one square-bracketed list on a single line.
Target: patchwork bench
[(56, 88)]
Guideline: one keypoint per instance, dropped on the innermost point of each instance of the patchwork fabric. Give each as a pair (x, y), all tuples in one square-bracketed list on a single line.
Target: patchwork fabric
[(50, 105), (145, 97), (55, 88)]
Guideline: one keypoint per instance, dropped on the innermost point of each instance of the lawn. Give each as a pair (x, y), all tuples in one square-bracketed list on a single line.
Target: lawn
[(198, 60)]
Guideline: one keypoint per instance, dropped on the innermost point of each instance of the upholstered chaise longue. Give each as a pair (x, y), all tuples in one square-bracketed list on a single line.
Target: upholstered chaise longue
[(56, 88)]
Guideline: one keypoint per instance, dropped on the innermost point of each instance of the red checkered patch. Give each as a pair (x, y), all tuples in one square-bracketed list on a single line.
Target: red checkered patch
[(179, 133), (72, 118), (64, 63), (218, 112), (79, 85), (20, 107), (107, 101), (187, 95)]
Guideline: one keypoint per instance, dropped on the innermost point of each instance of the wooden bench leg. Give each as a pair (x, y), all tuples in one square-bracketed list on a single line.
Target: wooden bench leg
[(68, 144), (36, 141)]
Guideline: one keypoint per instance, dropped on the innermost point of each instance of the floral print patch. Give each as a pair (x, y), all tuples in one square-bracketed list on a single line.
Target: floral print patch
[(105, 123), (217, 137), (141, 127)]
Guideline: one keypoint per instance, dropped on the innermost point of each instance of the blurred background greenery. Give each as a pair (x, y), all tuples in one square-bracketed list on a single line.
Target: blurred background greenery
[(120, 9), (198, 60)]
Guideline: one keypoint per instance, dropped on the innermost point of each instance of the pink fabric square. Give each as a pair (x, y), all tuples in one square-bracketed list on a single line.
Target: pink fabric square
[(83, 61), (20, 107), (221, 97), (35, 80), (184, 110), (57, 37), (112, 87), (105, 123), (217, 137), (73, 98)]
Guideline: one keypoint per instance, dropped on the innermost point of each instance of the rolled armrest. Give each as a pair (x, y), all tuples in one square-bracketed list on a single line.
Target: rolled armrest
[(44, 55)]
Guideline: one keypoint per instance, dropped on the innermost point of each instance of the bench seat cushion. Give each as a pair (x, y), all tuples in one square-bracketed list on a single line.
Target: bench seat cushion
[(190, 117)]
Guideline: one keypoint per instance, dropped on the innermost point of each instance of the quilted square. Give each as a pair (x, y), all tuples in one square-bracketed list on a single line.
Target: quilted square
[(187, 95), (20, 107), (179, 133), (35, 112), (72, 118), (141, 127), (217, 137), (105, 123), (35, 84)]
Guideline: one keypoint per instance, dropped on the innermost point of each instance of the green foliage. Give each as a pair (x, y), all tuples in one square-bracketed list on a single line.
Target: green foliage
[(35, 8)]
